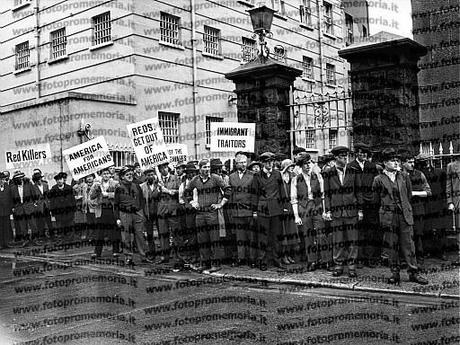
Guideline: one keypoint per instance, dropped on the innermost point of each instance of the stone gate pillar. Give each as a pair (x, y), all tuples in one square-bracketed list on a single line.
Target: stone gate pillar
[(262, 88), (385, 91)]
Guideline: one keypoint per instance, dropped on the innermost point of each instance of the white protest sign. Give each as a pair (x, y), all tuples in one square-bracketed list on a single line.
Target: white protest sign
[(232, 136), (29, 157), (178, 153), (149, 146), (88, 158)]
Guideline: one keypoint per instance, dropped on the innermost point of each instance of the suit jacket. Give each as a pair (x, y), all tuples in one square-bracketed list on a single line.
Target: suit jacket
[(30, 198), (62, 201), (453, 184), (419, 183), (268, 193), (169, 204), (6, 201), (150, 198), (383, 195), (365, 178), (342, 200), (243, 198), (43, 201)]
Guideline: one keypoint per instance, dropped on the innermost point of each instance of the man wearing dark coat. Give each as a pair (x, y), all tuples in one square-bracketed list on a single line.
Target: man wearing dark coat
[(25, 198), (63, 205), (43, 215), (240, 207), (343, 209), (370, 240), (6, 206), (267, 184), (393, 191)]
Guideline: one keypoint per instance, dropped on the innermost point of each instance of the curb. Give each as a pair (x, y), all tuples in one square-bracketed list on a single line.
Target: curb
[(334, 286)]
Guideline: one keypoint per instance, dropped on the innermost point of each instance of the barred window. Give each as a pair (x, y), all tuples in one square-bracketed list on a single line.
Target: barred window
[(170, 29), (209, 120), (349, 28), (169, 124), (122, 158), (328, 20), (58, 41), (211, 39), (249, 49), (307, 67), (278, 5), (305, 12), (332, 138), (102, 27), (330, 74), (22, 55), (310, 138)]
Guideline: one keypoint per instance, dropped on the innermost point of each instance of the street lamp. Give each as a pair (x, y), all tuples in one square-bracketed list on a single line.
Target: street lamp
[(261, 19)]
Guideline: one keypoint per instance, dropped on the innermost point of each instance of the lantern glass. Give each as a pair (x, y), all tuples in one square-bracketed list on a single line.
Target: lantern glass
[(261, 18)]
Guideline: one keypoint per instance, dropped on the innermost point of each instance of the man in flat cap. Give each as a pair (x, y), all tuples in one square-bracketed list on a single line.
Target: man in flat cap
[(128, 211), (369, 236), (267, 186), (342, 201), (307, 196), (43, 215), (392, 191), (150, 194), (139, 177), (63, 206)]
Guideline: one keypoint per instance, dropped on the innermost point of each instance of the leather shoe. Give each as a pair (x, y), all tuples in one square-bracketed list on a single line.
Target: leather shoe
[(394, 279), (414, 277)]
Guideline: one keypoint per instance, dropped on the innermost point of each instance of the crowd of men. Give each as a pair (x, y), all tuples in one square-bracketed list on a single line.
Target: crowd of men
[(329, 214)]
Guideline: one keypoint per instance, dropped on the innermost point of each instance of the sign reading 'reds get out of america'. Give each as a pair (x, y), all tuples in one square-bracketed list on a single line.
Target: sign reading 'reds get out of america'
[(88, 158), (232, 136), (28, 157), (149, 146)]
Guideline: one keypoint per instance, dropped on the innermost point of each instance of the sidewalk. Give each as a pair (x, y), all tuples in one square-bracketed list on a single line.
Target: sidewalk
[(443, 278)]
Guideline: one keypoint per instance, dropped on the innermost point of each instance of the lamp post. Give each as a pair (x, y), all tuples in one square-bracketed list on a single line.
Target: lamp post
[(261, 19)]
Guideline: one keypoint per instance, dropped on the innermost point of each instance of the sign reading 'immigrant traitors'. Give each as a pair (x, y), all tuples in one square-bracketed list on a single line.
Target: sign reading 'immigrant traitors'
[(34, 156), (178, 153), (232, 136), (149, 146), (88, 158)]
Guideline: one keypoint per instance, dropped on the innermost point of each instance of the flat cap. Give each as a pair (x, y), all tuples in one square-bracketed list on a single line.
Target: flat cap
[(388, 154), (286, 164), (328, 158), (254, 163), (298, 150), (124, 170), (339, 149), (267, 156), (216, 162), (303, 158), (422, 157), (363, 147), (190, 167), (149, 170)]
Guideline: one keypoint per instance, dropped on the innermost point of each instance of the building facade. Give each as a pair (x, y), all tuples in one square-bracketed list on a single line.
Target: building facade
[(64, 64), (436, 26)]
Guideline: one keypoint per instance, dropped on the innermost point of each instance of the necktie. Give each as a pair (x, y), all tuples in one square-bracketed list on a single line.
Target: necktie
[(165, 179)]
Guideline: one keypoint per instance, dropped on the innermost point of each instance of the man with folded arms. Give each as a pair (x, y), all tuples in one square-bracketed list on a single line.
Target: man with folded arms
[(393, 191), (207, 190)]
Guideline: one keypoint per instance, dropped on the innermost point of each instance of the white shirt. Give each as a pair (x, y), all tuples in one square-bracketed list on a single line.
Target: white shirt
[(341, 174), (307, 178), (361, 164), (267, 172), (241, 174), (21, 192), (40, 187), (391, 175)]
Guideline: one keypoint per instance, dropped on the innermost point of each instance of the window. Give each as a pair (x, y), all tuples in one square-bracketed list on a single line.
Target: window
[(330, 74), (310, 138), (102, 27), (305, 12), (22, 56), (307, 68), (328, 21), (278, 5), (349, 28), (209, 120), (249, 49), (170, 29), (169, 124), (211, 39), (332, 138), (58, 41), (364, 31), (122, 158)]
